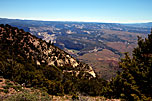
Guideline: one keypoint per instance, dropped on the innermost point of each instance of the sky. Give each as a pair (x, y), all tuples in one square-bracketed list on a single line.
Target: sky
[(113, 11)]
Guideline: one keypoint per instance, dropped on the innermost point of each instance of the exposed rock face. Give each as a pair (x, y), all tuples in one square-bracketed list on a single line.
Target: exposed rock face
[(39, 50)]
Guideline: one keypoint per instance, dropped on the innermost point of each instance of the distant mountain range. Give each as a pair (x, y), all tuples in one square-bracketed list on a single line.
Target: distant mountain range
[(101, 45), (143, 25)]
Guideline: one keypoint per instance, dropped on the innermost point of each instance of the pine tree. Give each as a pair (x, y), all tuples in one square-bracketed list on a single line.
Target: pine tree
[(135, 80)]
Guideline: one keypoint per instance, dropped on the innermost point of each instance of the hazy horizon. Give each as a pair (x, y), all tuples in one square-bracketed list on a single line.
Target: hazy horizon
[(76, 21)]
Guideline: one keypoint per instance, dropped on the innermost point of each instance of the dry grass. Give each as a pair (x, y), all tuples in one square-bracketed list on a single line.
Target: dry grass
[(28, 94)]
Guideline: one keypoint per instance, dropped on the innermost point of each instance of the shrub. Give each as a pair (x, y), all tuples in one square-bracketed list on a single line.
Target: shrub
[(5, 90), (9, 83), (17, 88), (7, 80), (6, 87), (1, 90), (75, 97)]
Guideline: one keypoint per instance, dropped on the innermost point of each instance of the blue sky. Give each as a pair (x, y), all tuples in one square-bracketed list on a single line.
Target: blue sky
[(119, 11)]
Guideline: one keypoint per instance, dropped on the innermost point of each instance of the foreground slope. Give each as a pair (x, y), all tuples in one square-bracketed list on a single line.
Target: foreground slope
[(40, 51), (35, 63)]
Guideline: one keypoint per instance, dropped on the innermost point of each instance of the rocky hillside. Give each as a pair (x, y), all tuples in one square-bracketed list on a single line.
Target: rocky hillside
[(41, 52)]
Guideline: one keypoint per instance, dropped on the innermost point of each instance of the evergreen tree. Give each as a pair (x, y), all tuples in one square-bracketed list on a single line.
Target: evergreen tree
[(135, 80)]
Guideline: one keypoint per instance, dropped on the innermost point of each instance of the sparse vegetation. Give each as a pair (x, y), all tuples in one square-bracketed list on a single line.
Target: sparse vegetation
[(27, 96)]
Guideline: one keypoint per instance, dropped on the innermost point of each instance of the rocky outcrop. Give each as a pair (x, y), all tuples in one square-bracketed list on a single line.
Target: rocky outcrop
[(39, 50)]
